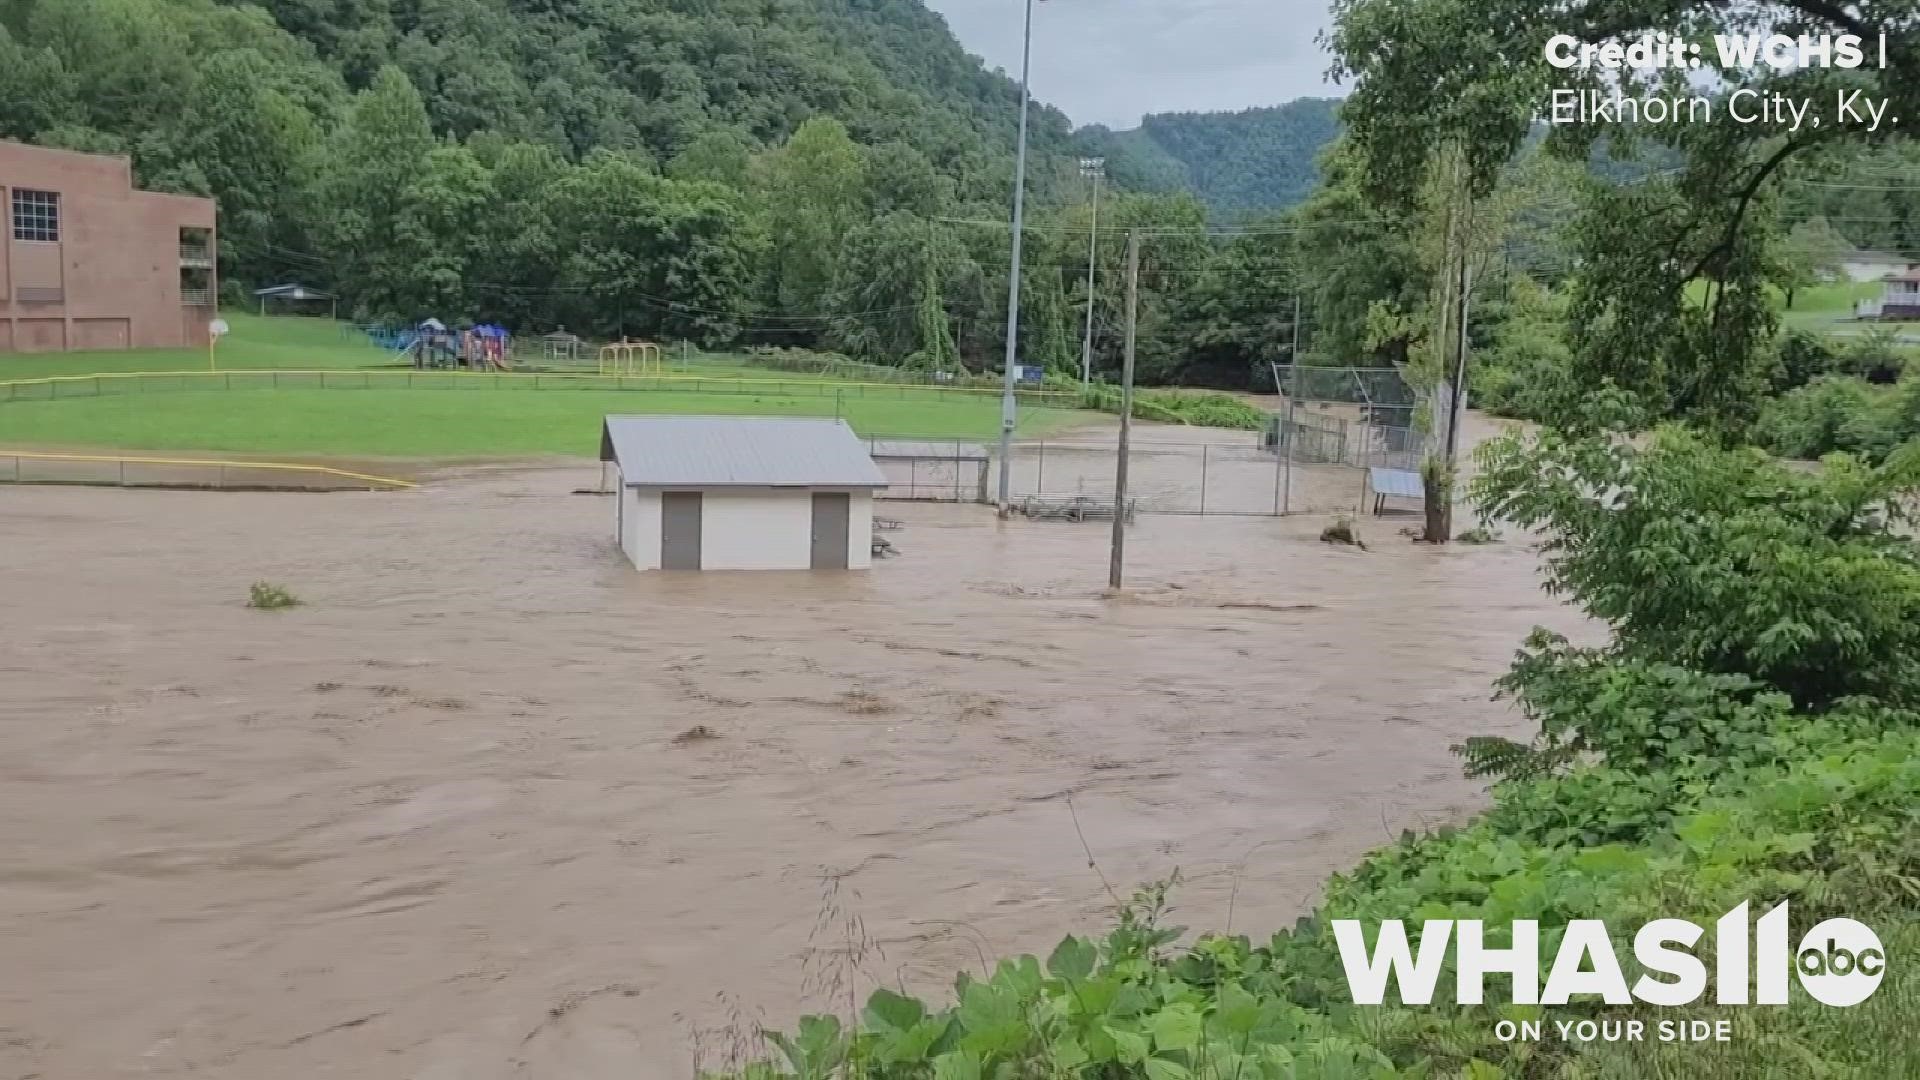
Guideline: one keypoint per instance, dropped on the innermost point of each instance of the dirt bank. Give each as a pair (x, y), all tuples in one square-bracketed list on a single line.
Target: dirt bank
[(457, 818)]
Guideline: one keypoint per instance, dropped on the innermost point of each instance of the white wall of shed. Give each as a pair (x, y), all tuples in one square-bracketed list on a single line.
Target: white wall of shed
[(747, 528), (860, 530), (641, 516)]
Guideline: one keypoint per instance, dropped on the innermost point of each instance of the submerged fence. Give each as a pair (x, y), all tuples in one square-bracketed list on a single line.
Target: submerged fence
[(1168, 475)]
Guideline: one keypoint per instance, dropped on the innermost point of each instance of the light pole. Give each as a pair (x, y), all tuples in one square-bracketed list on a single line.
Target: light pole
[(1096, 169), (1008, 407)]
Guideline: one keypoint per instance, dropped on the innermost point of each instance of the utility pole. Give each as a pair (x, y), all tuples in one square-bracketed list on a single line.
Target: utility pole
[(1009, 408), (1095, 168), (1285, 443), (1458, 391), (1126, 414)]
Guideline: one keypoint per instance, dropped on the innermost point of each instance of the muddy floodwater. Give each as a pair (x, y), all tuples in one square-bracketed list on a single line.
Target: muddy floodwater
[(492, 805)]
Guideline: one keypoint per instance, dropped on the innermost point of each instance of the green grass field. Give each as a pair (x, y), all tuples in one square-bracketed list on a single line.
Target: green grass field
[(443, 416), (255, 343), (452, 423)]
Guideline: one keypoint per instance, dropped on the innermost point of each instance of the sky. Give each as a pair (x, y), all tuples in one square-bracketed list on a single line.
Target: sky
[(1112, 61)]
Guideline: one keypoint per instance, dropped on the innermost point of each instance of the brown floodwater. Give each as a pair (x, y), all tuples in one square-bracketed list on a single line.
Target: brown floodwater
[(492, 805)]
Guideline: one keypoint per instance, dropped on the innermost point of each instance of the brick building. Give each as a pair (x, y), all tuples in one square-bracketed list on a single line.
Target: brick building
[(90, 262)]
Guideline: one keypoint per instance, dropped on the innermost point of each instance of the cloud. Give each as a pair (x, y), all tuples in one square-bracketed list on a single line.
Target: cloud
[(1111, 61)]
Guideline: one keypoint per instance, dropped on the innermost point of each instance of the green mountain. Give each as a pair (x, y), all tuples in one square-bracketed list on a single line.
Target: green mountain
[(1247, 162)]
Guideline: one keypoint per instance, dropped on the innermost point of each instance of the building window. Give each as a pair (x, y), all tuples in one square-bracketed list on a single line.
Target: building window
[(36, 215)]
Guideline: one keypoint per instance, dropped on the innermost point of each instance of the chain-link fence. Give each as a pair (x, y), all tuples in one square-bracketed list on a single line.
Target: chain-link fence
[(1180, 471), (1347, 417), (931, 470)]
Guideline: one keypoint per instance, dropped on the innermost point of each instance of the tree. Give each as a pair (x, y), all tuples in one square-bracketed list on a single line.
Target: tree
[(722, 156), (434, 233), (1237, 317), (372, 161), (1815, 253), (1815, 591), (1669, 298), (1360, 255), (815, 188), (659, 258)]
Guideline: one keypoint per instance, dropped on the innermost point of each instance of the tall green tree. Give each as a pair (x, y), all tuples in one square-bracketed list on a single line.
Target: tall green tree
[(815, 190), (370, 164), (651, 257)]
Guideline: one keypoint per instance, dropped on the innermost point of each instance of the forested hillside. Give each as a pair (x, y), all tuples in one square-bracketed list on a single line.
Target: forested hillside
[(1251, 161), (637, 165), (826, 174), (644, 76)]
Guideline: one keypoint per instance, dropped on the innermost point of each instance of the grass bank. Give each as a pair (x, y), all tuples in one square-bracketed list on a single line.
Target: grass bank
[(442, 416)]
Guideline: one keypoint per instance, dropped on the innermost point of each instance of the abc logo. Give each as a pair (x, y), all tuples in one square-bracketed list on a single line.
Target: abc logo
[(1840, 962)]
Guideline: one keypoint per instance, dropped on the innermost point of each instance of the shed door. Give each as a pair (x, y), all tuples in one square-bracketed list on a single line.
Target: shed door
[(831, 509), (679, 530)]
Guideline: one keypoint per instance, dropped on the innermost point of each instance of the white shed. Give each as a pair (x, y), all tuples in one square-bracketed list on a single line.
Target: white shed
[(741, 492)]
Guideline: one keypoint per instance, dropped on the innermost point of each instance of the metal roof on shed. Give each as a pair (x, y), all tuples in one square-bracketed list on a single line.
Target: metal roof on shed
[(941, 451), (737, 451)]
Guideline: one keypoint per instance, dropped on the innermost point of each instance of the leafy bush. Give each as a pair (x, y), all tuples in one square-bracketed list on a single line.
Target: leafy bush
[(1875, 356), (1198, 409), (1803, 357), (266, 596), (1529, 358), (1830, 414), (1724, 560)]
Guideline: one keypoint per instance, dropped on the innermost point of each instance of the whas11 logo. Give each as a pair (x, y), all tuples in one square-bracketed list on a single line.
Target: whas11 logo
[(1840, 962)]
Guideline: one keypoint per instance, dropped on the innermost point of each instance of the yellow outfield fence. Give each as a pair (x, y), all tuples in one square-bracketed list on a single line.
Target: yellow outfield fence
[(56, 387), (36, 467)]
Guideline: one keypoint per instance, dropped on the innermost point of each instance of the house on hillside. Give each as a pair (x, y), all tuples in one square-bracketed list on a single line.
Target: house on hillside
[(741, 492), (88, 261), (1863, 265), (1900, 294)]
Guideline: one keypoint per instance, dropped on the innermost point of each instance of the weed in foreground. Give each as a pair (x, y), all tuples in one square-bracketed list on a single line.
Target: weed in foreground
[(266, 596)]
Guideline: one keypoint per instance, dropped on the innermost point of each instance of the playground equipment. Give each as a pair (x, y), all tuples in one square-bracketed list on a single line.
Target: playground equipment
[(625, 357), (432, 345)]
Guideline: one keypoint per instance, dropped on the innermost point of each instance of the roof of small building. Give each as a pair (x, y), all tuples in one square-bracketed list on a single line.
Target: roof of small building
[(737, 451), (942, 451), (294, 292), (1911, 273)]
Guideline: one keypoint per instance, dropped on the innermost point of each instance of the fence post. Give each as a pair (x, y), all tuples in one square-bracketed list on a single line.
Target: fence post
[(1040, 482), (1203, 478), (1279, 477), (123, 472), (1366, 459)]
